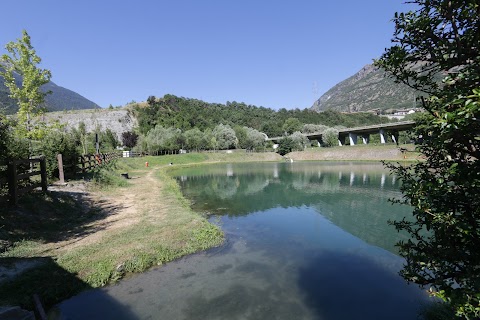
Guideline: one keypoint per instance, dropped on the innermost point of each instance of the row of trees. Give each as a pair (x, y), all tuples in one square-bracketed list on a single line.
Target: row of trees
[(220, 138)]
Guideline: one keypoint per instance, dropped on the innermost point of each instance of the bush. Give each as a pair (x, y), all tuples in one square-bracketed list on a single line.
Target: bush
[(56, 142), (330, 137), (286, 145)]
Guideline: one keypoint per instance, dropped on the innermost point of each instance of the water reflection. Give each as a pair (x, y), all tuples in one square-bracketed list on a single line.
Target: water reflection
[(353, 196)]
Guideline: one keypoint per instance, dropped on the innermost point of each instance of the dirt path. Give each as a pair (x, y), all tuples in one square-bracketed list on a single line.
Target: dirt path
[(122, 209)]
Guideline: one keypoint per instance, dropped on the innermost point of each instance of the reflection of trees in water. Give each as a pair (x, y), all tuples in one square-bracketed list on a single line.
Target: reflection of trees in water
[(254, 185), (354, 200), (228, 187), (223, 187), (316, 183)]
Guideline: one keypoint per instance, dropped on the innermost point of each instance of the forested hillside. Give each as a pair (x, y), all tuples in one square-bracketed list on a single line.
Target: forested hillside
[(184, 114)]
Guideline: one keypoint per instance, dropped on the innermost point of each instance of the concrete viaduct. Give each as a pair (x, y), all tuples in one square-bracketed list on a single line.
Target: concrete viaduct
[(364, 132)]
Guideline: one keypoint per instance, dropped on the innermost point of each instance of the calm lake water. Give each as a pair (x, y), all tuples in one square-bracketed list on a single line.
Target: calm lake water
[(304, 241)]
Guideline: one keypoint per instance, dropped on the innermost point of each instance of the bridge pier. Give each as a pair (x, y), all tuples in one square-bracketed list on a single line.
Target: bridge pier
[(353, 138), (341, 140), (395, 137), (366, 138), (383, 139)]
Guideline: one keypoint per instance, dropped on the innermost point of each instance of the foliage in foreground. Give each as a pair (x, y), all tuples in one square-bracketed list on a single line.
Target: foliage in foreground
[(441, 38), (444, 193)]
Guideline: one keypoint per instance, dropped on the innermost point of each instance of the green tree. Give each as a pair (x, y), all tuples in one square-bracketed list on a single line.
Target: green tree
[(292, 125), (163, 139), (330, 137), (314, 128), (241, 134), (22, 60), (193, 139), (108, 140), (82, 129), (56, 142), (286, 145), (225, 137), (300, 140), (254, 139), (441, 40)]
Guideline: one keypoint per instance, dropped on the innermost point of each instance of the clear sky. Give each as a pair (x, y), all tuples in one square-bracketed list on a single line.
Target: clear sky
[(270, 53)]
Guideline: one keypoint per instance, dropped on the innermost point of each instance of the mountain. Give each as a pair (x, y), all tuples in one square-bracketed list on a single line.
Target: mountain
[(60, 98), (368, 89)]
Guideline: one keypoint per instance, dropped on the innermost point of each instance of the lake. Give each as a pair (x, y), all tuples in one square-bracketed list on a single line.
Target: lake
[(304, 240)]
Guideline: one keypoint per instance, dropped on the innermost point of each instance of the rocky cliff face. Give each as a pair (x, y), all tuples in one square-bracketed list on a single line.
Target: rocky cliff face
[(117, 120), (368, 89)]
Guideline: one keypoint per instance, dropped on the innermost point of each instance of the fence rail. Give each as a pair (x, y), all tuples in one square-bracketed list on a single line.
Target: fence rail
[(19, 174), (91, 161)]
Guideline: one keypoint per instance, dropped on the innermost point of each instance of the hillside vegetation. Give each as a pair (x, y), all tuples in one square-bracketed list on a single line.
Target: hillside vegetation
[(184, 114)]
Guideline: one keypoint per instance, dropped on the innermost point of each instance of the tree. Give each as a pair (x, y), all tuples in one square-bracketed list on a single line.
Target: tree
[(151, 100), (314, 128), (300, 140), (108, 140), (225, 137), (285, 145), (23, 61), (193, 139), (241, 134), (129, 139), (254, 139), (330, 137), (441, 40), (291, 125)]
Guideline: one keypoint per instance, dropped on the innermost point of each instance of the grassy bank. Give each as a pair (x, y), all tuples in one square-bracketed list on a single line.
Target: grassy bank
[(358, 152), (88, 235)]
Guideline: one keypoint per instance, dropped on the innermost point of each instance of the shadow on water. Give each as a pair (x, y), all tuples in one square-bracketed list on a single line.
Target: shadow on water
[(108, 308), (45, 278), (346, 286)]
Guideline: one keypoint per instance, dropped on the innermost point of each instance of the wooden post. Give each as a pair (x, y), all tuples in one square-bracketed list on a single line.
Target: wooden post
[(13, 182), (82, 161), (61, 177), (43, 173)]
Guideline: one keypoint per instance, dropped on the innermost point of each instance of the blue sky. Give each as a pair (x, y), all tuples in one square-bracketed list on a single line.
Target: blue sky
[(275, 54)]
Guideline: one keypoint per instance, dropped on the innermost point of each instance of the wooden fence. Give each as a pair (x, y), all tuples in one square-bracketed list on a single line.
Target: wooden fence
[(19, 177), (90, 161), (24, 175)]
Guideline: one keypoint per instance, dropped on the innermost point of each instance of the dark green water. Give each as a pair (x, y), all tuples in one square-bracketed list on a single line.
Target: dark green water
[(304, 241)]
